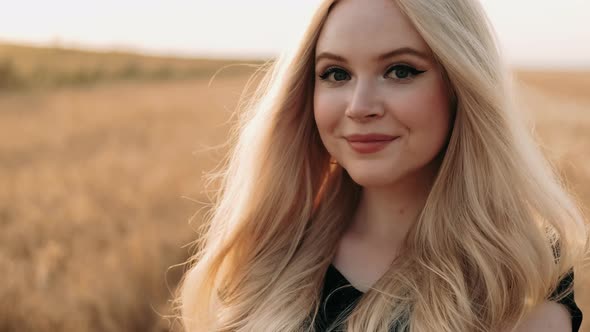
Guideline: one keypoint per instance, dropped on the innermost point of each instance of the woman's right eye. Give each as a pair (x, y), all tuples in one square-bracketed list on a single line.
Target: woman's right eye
[(339, 74)]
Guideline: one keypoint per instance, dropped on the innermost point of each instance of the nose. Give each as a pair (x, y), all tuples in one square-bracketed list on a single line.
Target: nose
[(364, 104)]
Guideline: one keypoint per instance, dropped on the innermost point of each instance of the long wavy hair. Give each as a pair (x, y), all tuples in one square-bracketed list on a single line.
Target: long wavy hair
[(480, 256)]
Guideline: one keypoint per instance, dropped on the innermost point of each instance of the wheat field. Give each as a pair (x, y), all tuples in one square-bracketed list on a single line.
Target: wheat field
[(101, 190)]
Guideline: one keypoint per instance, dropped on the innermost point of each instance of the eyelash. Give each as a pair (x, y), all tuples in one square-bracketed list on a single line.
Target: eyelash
[(413, 71)]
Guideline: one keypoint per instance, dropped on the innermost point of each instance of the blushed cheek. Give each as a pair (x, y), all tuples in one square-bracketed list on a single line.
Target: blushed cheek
[(426, 109), (440, 109), (325, 113)]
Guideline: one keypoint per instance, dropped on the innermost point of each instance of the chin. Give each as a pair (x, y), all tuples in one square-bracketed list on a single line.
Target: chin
[(368, 178)]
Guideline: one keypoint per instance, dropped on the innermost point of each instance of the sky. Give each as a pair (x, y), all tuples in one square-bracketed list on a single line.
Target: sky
[(532, 32)]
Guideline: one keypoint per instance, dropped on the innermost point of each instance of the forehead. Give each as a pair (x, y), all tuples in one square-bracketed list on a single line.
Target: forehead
[(368, 27)]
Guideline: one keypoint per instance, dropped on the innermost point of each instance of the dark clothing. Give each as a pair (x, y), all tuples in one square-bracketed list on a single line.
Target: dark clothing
[(347, 296)]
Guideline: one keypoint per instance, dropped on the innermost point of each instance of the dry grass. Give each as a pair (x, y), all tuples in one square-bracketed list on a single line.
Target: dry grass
[(573, 84), (92, 180), (26, 67), (91, 200)]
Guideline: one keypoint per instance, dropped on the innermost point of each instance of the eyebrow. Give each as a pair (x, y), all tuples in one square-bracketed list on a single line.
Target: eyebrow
[(396, 52)]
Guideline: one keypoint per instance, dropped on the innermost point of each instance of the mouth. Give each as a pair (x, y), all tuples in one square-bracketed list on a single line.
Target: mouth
[(370, 146), (370, 138)]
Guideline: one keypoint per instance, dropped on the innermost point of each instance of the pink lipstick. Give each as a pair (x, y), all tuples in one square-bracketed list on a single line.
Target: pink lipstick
[(369, 143)]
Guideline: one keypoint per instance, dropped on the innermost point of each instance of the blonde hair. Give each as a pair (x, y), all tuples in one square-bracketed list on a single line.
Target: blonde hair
[(481, 254)]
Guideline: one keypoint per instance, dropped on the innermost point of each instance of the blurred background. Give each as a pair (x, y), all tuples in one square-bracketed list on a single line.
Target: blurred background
[(110, 113)]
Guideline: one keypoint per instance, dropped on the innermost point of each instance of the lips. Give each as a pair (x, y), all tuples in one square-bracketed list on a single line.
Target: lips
[(369, 143), (370, 138)]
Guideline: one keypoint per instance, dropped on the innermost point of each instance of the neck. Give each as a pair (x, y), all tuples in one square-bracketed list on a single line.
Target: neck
[(386, 214)]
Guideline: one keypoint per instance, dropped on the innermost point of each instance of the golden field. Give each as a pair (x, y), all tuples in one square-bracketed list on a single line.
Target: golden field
[(101, 189), (25, 67)]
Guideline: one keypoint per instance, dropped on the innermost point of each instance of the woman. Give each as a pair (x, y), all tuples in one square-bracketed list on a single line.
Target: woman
[(385, 157)]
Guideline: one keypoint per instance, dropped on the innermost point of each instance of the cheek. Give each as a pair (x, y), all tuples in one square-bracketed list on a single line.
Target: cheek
[(326, 110), (425, 111)]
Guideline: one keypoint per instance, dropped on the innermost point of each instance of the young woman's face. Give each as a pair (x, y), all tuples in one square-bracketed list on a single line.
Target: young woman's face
[(376, 75)]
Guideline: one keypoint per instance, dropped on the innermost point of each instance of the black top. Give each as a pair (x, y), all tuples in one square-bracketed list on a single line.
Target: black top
[(346, 296)]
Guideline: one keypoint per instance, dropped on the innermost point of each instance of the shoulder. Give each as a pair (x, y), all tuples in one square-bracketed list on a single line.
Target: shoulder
[(562, 315), (549, 316)]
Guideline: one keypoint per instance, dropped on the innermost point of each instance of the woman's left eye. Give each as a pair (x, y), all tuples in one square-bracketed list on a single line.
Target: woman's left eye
[(403, 72)]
